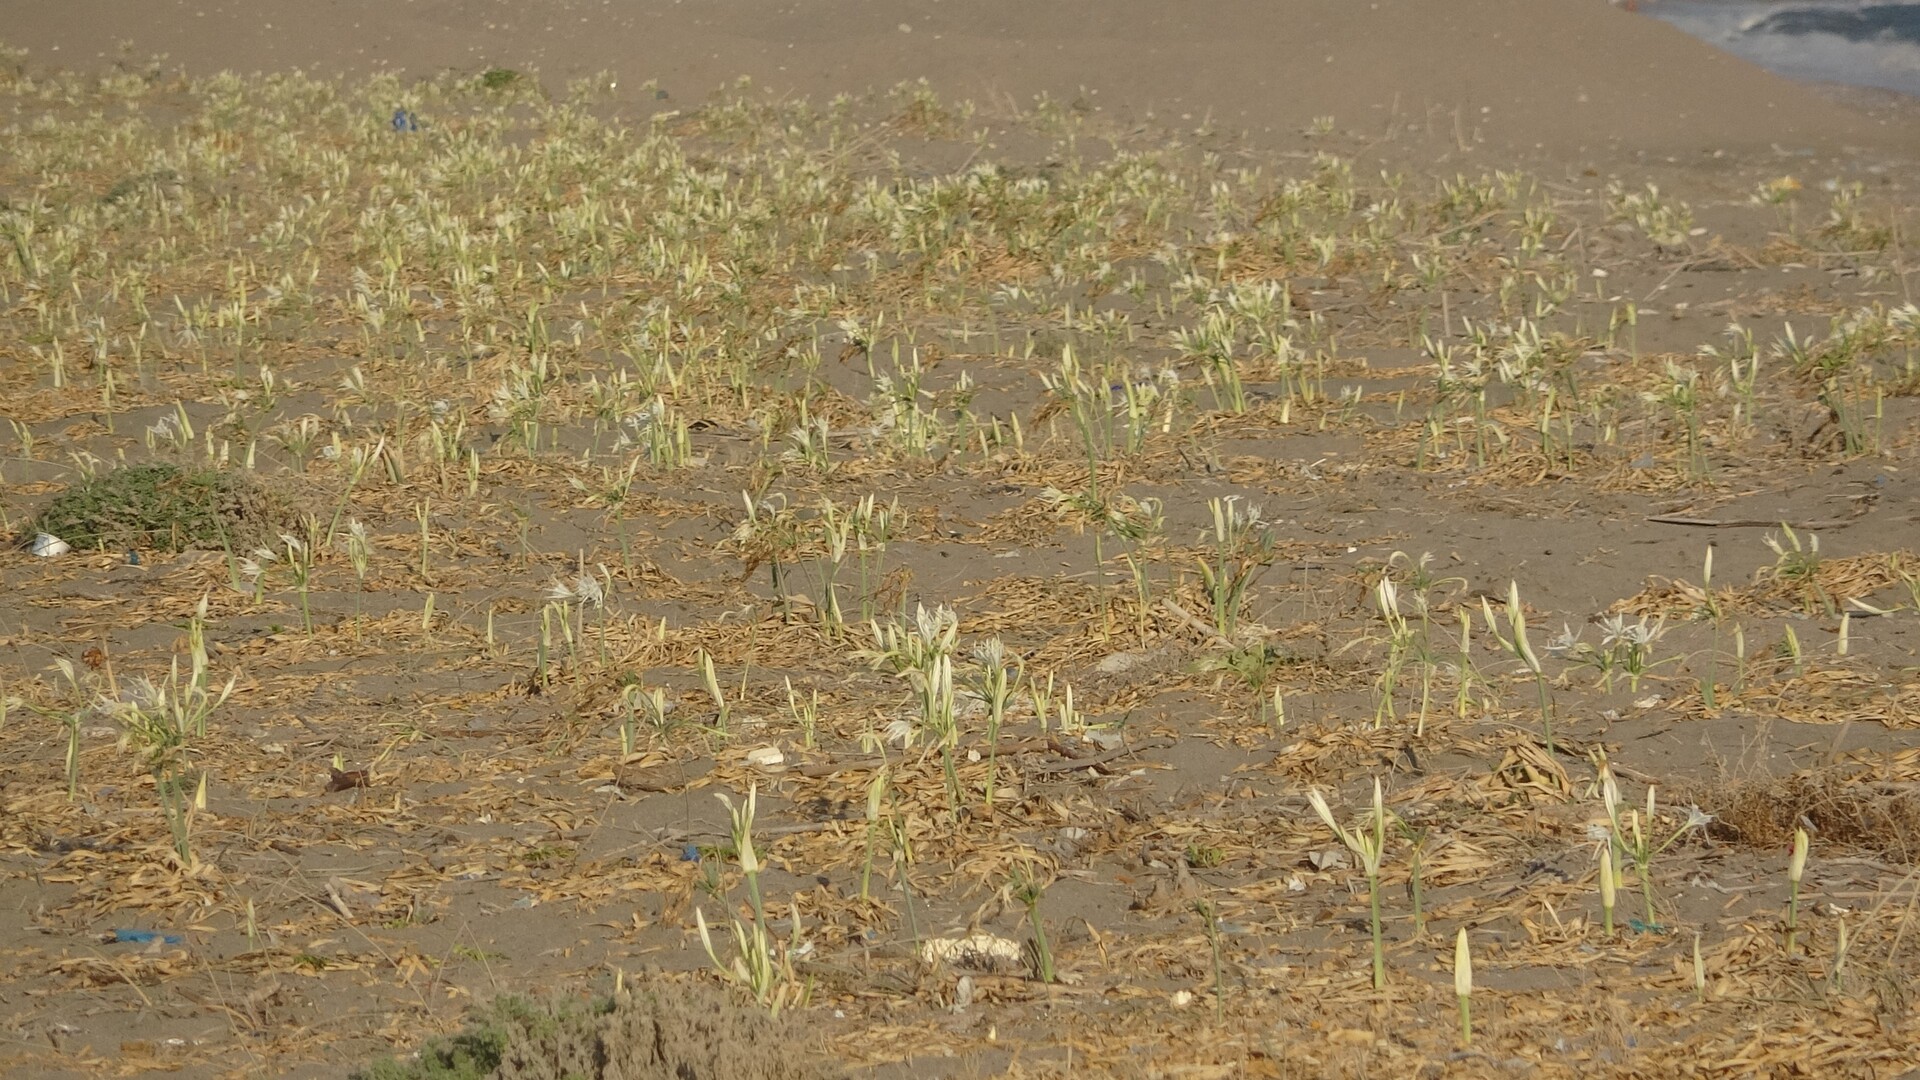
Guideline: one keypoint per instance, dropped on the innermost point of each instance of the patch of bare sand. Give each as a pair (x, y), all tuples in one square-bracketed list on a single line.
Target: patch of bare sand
[(1570, 78)]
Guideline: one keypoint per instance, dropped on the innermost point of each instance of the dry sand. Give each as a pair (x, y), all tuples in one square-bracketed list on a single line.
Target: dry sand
[(1583, 80), (1577, 92)]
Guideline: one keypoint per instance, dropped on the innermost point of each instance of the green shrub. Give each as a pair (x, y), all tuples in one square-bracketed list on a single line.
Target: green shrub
[(165, 507)]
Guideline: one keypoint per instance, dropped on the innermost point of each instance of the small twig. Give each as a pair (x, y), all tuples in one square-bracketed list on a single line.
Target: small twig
[(1744, 523), (1092, 760), (678, 835), (1632, 774), (1187, 617)]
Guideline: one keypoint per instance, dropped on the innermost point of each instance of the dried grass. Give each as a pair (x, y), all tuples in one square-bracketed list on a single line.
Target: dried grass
[(1845, 806)]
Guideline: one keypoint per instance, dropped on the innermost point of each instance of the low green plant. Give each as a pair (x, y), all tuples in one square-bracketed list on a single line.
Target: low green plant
[(1207, 913), (300, 559), (1242, 548), (164, 507), (1797, 562), (160, 717), (1667, 222), (805, 712), (762, 968), (70, 719), (498, 78), (1368, 847), (994, 679), (1631, 835), (1515, 642), (1028, 890), (1401, 645), (1626, 648)]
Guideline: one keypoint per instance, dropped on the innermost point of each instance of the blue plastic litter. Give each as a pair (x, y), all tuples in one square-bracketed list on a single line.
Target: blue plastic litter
[(133, 557), (147, 937), (403, 120), (690, 853)]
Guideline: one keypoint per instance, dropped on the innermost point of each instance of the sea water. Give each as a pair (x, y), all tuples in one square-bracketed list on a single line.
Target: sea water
[(1849, 42)]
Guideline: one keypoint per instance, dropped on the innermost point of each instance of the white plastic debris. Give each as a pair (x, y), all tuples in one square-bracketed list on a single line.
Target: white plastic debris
[(1071, 841), (766, 757), (1328, 859), (1182, 998), (975, 952), (47, 545)]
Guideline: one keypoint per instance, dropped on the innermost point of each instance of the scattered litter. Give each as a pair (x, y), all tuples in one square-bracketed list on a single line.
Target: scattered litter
[(976, 952), (346, 779), (1181, 999), (47, 545), (404, 120), (1328, 859), (766, 757), (337, 900), (145, 937), (1069, 842)]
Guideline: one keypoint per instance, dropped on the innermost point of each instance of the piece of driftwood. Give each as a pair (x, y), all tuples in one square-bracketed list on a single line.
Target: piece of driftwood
[(1744, 523)]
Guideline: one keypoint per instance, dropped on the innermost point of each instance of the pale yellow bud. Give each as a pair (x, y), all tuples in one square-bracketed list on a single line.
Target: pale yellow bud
[(1462, 966)]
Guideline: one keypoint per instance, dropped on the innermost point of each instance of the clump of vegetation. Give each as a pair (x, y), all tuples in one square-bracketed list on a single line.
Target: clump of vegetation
[(165, 506), (498, 78), (1844, 804), (690, 1033)]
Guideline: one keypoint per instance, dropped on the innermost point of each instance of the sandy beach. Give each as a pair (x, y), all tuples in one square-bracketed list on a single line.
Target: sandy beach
[(1058, 460)]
